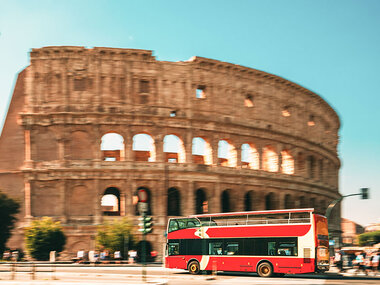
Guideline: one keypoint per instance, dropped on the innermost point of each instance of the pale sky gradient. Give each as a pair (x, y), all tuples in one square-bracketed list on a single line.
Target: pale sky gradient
[(331, 47)]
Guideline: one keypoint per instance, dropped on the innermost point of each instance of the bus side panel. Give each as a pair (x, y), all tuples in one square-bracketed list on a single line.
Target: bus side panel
[(176, 261), (249, 264)]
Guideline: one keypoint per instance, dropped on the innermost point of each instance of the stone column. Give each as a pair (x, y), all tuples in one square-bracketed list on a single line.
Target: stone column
[(238, 156), (28, 200), (190, 199), (62, 194), (97, 205)]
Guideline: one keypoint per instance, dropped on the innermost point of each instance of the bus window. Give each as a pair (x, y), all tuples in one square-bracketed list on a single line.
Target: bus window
[(173, 226), (215, 248), (173, 248), (232, 248), (271, 248), (287, 248)]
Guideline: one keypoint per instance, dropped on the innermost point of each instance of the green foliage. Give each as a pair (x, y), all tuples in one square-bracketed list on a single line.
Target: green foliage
[(44, 236), (116, 235), (370, 238), (8, 210)]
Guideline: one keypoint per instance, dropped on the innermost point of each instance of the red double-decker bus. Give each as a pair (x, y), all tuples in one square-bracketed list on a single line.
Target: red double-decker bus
[(270, 243)]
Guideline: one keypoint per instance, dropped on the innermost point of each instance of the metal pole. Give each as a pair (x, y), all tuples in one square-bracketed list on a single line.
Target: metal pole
[(143, 254), (335, 202)]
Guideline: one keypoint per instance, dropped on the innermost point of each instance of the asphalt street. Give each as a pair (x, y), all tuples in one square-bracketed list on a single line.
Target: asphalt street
[(102, 275)]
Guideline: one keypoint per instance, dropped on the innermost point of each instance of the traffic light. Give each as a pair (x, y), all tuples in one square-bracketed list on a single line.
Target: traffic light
[(145, 224), (365, 193)]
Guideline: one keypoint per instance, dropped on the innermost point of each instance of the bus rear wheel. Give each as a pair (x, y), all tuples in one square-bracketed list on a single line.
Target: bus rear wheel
[(265, 269), (194, 267)]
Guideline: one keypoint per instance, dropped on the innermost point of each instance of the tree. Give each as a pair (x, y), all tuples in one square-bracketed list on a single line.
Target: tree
[(8, 210), (43, 236), (370, 238), (116, 236)]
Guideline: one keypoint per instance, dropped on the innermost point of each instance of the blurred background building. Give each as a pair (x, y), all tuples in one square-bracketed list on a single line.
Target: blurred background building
[(350, 232), (87, 128)]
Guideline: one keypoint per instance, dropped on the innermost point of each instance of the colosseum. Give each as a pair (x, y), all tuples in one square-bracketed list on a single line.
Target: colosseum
[(87, 128)]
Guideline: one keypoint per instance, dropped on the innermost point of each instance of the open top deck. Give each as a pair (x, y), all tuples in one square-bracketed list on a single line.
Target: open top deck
[(289, 216)]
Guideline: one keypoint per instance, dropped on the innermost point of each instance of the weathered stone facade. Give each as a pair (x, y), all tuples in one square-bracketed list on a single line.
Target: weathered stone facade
[(68, 98)]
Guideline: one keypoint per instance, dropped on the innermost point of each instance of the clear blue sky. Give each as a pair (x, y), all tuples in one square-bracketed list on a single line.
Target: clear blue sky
[(329, 46)]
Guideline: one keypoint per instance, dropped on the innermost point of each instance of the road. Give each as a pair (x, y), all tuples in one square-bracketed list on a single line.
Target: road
[(101, 275)]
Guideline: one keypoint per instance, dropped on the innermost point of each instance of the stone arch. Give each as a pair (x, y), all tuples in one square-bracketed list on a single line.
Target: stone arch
[(250, 156), (270, 159), (112, 147), (312, 203), (300, 164), (201, 201), (249, 201), (111, 202), (174, 149), (79, 201), (302, 202), (288, 203), (80, 146), (311, 166), (226, 201), (201, 151), (174, 202), (144, 147), (270, 201), (287, 165), (227, 154)]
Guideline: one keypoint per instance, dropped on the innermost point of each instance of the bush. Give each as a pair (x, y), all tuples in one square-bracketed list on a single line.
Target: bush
[(8, 210), (370, 238), (44, 236), (116, 236)]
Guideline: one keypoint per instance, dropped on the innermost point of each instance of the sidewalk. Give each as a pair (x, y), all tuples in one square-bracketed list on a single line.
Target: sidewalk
[(350, 272)]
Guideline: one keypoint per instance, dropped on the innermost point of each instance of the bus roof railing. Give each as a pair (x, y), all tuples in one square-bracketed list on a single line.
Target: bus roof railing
[(252, 213)]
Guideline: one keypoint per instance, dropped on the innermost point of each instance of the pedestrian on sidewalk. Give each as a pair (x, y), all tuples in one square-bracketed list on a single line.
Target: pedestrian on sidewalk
[(375, 263), (338, 260), (359, 263)]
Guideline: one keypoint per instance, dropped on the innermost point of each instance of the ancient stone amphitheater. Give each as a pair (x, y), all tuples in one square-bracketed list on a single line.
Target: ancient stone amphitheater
[(87, 128)]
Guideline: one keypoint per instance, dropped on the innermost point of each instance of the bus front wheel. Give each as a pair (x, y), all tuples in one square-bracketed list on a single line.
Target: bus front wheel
[(265, 269), (194, 267)]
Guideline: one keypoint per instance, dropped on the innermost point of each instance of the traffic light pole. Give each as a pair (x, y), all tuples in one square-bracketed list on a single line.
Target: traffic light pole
[(364, 193), (143, 251)]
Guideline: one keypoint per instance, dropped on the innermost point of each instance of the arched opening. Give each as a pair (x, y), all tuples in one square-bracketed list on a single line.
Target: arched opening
[(112, 147), (311, 166), (270, 159), (144, 148), (300, 164), (147, 194), (174, 202), (302, 202), (287, 165), (269, 202), (226, 201), (201, 203), (288, 202), (250, 156), (312, 203), (110, 202), (201, 151), (248, 201), (227, 155), (174, 149)]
